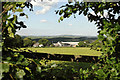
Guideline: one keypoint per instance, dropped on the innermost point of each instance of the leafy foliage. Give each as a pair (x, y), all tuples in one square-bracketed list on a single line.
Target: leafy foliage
[(96, 45), (82, 44), (44, 42), (16, 66), (27, 42), (15, 42), (109, 34)]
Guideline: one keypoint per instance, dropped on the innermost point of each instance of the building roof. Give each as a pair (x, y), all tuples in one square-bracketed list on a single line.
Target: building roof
[(36, 44), (72, 43)]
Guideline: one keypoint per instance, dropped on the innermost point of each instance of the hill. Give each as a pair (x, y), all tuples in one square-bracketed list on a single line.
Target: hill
[(65, 38)]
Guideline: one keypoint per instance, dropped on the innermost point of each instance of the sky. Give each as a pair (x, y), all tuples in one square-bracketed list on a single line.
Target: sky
[(43, 21)]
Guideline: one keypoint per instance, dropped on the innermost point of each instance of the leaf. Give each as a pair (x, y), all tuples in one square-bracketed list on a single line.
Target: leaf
[(5, 67), (80, 12), (24, 26), (37, 61), (21, 57), (100, 72), (57, 12), (61, 11), (61, 18), (22, 6), (19, 10), (20, 73), (11, 35), (38, 68), (11, 24), (21, 23), (9, 29), (25, 63), (94, 67), (23, 14), (28, 69), (8, 58), (74, 16)]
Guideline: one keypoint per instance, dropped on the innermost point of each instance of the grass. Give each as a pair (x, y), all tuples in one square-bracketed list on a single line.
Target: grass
[(66, 69), (75, 65), (67, 51)]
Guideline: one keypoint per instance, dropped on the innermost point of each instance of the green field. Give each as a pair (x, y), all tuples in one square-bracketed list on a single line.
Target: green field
[(66, 51), (66, 68)]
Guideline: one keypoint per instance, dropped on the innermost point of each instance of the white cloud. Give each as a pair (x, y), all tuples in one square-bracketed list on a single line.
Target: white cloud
[(46, 5), (70, 24), (43, 21)]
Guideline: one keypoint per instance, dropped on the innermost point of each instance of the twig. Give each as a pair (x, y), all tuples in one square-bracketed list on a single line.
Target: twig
[(11, 77)]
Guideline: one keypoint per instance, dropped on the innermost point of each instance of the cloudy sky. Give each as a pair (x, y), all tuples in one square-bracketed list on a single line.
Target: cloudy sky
[(44, 22)]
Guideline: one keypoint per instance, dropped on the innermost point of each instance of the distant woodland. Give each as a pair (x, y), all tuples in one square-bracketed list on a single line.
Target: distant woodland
[(62, 38)]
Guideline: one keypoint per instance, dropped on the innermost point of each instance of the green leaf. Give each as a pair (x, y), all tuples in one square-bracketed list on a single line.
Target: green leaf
[(21, 57), (20, 73), (100, 72), (11, 35), (94, 67), (28, 69), (23, 14), (19, 10), (22, 5), (9, 29), (61, 18), (25, 63), (8, 58), (5, 67), (38, 68)]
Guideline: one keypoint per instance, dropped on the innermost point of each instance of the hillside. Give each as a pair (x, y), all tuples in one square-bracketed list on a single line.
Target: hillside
[(65, 38)]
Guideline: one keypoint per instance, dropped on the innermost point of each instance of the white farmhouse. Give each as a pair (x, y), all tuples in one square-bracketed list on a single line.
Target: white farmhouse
[(65, 44), (36, 45), (41, 45)]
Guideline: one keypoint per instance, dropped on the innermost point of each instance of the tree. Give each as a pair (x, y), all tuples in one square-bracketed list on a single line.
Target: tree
[(96, 44), (10, 21), (15, 42), (87, 41), (27, 42), (82, 44), (44, 42), (8, 42), (14, 65), (33, 42), (109, 26), (18, 41), (109, 35)]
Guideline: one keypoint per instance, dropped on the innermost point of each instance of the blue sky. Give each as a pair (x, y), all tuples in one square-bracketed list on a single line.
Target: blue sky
[(44, 22)]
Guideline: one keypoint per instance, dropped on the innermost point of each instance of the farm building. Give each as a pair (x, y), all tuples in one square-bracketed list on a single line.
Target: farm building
[(41, 45), (65, 44), (37, 45)]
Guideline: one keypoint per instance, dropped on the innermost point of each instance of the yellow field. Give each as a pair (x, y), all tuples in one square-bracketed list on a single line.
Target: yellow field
[(66, 51)]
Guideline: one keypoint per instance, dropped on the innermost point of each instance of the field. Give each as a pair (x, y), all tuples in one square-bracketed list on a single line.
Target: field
[(66, 68), (66, 51)]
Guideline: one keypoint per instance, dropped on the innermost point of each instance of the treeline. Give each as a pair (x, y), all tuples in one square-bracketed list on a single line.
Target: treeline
[(86, 43), (18, 42), (67, 39)]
